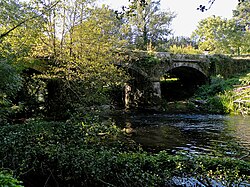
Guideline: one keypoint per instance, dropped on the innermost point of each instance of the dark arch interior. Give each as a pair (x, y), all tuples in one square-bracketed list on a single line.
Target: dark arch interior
[(180, 83), (137, 81)]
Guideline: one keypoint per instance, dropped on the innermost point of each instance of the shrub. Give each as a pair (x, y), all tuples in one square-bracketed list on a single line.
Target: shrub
[(222, 96), (216, 86), (9, 85), (7, 180), (184, 50), (76, 154), (10, 79)]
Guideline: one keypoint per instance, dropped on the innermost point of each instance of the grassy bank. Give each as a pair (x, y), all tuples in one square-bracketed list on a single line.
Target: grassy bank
[(220, 96), (225, 96)]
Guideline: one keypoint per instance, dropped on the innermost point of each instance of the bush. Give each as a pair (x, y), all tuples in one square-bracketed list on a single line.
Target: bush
[(222, 97), (9, 85), (10, 79), (87, 154), (7, 180), (184, 50), (216, 86)]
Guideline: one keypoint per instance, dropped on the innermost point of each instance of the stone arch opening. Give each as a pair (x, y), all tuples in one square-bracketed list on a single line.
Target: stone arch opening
[(181, 82), (137, 89), (130, 94)]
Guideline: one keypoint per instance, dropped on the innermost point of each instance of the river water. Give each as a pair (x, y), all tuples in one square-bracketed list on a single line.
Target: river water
[(192, 134)]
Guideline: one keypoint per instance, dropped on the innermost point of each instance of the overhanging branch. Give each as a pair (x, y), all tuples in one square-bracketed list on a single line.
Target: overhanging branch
[(28, 19)]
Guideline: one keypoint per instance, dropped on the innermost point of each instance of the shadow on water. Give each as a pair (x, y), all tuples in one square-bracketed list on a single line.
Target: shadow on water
[(195, 134)]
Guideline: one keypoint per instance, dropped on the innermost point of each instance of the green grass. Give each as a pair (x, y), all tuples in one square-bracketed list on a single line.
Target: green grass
[(227, 95)]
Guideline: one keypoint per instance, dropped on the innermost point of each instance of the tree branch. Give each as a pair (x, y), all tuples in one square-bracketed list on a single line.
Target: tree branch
[(28, 19), (210, 3)]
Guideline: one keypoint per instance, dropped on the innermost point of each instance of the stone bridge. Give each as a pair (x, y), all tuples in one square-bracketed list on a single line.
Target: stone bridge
[(164, 75)]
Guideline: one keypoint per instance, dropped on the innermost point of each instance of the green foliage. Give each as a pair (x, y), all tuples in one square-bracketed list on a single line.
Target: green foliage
[(242, 16), (148, 26), (226, 95), (88, 154), (18, 38), (178, 41), (227, 102), (7, 180), (69, 42), (83, 73), (10, 79), (184, 50), (217, 85), (224, 170), (30, 98), (10, 84), (233, 66), (237, 100), (213, 93), (218, 35), (147, 62), (245, 80), (240, 96)]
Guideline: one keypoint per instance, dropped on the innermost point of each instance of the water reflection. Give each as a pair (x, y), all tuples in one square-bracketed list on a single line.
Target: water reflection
[(210, 134)]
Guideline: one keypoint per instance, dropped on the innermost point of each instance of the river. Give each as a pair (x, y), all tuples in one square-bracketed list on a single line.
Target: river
[(192, 134)]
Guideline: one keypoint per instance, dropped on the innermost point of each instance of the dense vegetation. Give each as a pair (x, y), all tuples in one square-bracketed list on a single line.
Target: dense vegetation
[(226, 96), (80, 153), (57, 73)]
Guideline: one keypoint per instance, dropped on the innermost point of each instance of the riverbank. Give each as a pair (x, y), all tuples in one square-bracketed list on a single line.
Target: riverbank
[(88, 151), (219, 96), (94, 153)]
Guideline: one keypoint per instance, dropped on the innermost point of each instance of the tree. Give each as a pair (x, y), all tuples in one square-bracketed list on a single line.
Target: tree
[(74, 43), (179, 41), (210, 4), (81, 56), (17, 39), (242, 17), (133, 6), (90, 55), (11, 14), (218, 35), (226, 36), (22, 35), (149, 25), (15, 14), (242, 14)]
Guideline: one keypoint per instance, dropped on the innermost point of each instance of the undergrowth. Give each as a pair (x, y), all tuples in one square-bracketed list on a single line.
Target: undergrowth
[(48, 153), (226, 96), (7, 180)]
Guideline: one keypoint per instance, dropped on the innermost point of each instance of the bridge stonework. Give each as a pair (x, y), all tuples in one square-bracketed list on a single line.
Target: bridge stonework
[(147, 69)]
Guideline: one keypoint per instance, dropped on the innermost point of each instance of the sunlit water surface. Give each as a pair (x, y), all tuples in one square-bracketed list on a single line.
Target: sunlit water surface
[(195, 134)]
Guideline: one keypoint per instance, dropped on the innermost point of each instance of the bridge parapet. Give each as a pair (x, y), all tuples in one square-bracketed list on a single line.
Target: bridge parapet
[(163, 55), (155, 64), (195, 57), (181, 57)]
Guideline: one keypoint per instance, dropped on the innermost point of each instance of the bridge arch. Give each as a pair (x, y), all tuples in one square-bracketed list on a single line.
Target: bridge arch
[(136, 92), (139, 90), (187, 65), (146, 88), (181, 80)]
